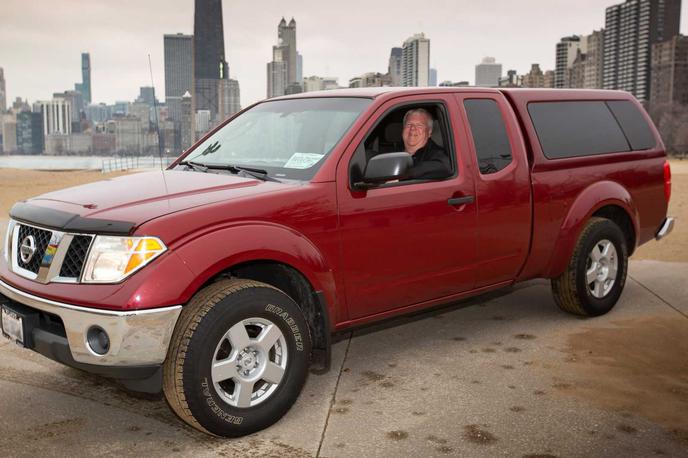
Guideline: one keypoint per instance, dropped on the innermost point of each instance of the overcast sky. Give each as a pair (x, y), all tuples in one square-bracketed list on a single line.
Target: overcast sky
[(41, 40)]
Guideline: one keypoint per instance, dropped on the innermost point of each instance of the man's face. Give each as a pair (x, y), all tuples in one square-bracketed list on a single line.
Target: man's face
[(416, 132)]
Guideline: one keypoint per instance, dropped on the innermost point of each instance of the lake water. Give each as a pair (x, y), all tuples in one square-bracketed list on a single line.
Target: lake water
[(106, 164)]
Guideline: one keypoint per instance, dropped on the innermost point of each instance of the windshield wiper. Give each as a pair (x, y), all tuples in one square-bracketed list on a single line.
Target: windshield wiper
[(197, 166), (255, 173), (235, 169)]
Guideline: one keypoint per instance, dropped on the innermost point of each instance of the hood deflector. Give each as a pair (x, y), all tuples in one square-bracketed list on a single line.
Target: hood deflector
[(68, 222)]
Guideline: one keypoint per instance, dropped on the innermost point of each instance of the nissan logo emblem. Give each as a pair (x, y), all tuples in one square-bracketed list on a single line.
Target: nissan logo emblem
[(27, 249)]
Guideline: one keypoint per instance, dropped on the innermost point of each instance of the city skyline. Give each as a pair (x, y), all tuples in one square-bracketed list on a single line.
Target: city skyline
[(329, 47)]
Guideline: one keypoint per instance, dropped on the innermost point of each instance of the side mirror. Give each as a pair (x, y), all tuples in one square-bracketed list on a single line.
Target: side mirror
[(386, 167)]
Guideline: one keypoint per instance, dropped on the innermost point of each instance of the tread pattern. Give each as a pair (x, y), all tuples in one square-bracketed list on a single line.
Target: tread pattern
[(189, 320), (564, 286)]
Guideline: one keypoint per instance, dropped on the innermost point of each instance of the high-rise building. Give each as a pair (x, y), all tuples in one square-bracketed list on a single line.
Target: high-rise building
[(394, 67), (286, 67), (534, 78), (566, 52), (631, 29), (229, 98), (147, 95), (432, 80), (210, 65), (549, 79), (56, 115), (415, 61), (179, 72), (85, 86), (30, 139), (488, 72), (670, 72), (76, 101), (188, 124), (3, 93), (277, 78), (9, 133), (594, 61)]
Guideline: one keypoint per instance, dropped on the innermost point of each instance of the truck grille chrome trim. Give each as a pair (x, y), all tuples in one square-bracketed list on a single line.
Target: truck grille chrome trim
[(137, 337), (45, 255)]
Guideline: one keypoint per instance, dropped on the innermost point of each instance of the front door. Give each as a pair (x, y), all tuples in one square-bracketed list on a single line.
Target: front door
[(407, 242)]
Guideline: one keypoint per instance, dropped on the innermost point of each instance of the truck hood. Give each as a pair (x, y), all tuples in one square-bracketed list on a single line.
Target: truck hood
[(138, 198)]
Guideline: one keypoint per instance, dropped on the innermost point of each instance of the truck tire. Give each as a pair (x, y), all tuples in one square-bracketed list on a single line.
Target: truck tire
[(596, 273), (238, 358)]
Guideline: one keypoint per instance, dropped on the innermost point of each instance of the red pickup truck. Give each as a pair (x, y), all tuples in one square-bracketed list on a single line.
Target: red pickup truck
[(220, 280)]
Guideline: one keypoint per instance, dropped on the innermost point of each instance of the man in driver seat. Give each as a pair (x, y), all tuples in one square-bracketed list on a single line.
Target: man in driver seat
[(430, 161)]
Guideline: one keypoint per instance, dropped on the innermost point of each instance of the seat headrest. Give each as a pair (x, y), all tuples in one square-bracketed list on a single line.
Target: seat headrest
[(393, 132)]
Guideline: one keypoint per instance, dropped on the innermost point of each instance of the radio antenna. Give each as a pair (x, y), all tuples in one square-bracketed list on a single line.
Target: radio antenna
[(155, 107)]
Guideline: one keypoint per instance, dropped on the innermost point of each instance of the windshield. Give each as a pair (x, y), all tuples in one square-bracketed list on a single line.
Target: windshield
[(286, 138)]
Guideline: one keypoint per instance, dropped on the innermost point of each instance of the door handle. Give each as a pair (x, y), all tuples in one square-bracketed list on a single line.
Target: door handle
[(461, 200)]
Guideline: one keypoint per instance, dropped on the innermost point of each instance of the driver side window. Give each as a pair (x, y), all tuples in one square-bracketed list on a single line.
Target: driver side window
[(422, 133)]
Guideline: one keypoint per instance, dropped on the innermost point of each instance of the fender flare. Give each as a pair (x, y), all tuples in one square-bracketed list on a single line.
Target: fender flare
[(588, 201), (218, 250)]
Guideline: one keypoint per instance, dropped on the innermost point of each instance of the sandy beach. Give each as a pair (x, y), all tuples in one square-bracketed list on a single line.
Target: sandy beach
[(17, 185)]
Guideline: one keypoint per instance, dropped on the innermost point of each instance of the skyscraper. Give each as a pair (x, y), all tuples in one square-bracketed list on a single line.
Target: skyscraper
[(229, 98), (285, 69), (415, 61), (394, 67), (631, 29), (179, 79), (85, 86), (30, 139), (210, 65), (3, 94), (488, 72), (566, 52), (670, 73), (56, 115), (188, 123)]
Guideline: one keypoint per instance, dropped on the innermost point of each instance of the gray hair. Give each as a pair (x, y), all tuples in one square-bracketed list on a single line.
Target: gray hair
[(419, 111)]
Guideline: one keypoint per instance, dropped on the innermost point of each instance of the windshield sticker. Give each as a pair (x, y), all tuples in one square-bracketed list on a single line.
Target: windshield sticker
[(302, 160)]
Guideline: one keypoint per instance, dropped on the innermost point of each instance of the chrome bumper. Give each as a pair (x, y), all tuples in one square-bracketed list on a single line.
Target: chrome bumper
[(137, 337), (665, 229)]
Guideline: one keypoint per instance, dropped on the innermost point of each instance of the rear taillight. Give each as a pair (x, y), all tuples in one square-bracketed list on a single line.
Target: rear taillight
[(667, 181)]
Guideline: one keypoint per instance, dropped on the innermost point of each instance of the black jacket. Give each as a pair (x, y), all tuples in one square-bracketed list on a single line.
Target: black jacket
[(430, 162)]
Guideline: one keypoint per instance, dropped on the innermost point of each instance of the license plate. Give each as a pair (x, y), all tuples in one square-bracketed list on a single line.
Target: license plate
[(12, 327)]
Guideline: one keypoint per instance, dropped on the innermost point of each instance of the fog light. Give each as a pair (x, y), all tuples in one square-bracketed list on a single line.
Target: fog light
[(98, 340)]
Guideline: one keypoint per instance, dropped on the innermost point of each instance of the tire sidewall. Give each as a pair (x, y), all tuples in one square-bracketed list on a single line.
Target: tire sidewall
[(205, 404), (610, 231)]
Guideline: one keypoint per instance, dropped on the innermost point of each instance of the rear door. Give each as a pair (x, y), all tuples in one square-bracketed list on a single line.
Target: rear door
[(503, 192), (406, 243)]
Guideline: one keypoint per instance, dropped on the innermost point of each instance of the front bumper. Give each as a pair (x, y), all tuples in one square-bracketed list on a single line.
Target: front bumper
[(137, 338)]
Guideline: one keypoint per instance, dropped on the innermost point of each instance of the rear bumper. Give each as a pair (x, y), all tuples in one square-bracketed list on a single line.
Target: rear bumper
[(137, 338), (665, 229)]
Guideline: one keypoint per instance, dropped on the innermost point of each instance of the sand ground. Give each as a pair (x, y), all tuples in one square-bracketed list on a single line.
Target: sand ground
[(17, 185)]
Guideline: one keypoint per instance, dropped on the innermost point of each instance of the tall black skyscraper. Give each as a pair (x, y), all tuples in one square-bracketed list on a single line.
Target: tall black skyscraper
[(209, 54)]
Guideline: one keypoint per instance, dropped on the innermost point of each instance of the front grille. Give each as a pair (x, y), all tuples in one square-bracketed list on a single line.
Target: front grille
[(41, 239), (76, 256)]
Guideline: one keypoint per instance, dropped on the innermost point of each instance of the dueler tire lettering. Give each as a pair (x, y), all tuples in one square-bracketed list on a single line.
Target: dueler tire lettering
[(188, 382)]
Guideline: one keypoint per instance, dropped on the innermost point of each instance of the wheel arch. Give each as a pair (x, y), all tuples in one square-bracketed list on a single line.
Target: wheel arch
[(277, 256), (606, 199)]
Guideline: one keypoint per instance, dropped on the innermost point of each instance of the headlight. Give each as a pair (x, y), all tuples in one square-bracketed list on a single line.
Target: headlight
[(112, 259)]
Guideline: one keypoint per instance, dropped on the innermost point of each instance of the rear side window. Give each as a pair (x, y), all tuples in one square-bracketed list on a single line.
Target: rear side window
[(571, 129), (633, 124), (491, 142)]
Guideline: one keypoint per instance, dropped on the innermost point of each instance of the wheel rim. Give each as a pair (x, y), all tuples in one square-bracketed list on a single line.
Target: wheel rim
[(249, 362), (602, 268)]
